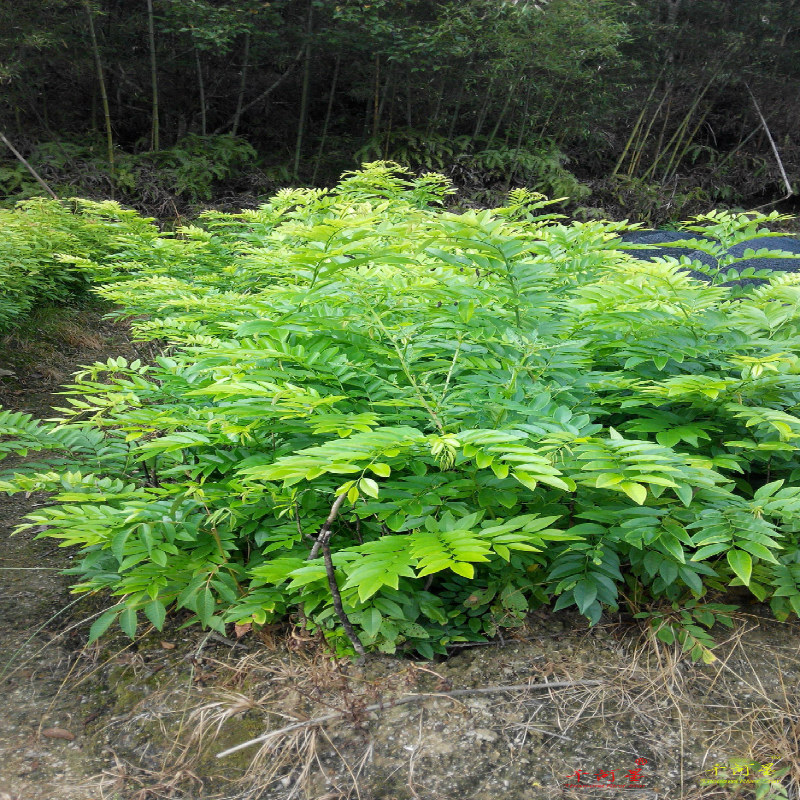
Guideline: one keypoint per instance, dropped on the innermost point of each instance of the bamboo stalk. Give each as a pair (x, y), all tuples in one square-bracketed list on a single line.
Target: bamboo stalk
[(434, 120), (504, 109), (383, 95), (461, 89), (636, 127), (301, 125), (641, 143), (522, 128), (242, 85), (201, 86), (553, 107), (738, 147), (789, 191), (154, 133), (669, 174), (376, 97), (662, 133), (327, 118), (681, 131), (268, 91), (484, 109), (102, 81)]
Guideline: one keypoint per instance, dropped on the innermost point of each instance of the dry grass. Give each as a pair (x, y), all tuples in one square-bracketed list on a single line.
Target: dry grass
[(686, 717), (78, 336)]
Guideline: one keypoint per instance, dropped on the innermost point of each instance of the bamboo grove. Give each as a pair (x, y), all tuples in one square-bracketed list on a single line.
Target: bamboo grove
[(166, 102)]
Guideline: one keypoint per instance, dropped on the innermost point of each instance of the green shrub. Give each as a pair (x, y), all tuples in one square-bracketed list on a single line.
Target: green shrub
[(482, 168), (188, 172), (493, 410), (33, 235)]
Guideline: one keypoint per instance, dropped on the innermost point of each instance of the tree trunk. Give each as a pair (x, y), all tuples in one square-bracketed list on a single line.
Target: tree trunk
[(202, 87), (327, 118), (102, 81), (433, 123), (459, 98), (484, 110), (384, 95), (266, 93), (376, 98), (155, 144), (242, 86), (301, 125), (504, 109)]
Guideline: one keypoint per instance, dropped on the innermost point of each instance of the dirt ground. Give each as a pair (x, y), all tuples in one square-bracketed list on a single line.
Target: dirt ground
[(145, 720)]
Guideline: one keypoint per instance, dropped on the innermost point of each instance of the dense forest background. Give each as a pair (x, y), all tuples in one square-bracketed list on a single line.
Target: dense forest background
[(649, 108)]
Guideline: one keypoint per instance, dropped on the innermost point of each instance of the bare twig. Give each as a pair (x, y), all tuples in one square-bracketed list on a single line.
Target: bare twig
[(323, 543), (268, 91), (28, 166), (337, 600), (325, 531), (410, 698), (785, 177)]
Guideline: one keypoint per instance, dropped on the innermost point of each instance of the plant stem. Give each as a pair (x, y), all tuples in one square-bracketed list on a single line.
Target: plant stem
[(324, 532), (337, 600), (450, 371)]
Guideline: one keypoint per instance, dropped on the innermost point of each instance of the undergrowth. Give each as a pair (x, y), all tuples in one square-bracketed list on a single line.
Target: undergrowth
[(409, 427)]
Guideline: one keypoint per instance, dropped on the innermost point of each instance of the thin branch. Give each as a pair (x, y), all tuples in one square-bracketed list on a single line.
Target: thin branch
[(410, 698), (323, 543), (324, 532), (28, 167), (337, 600), (268, 91), (785, 177)]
